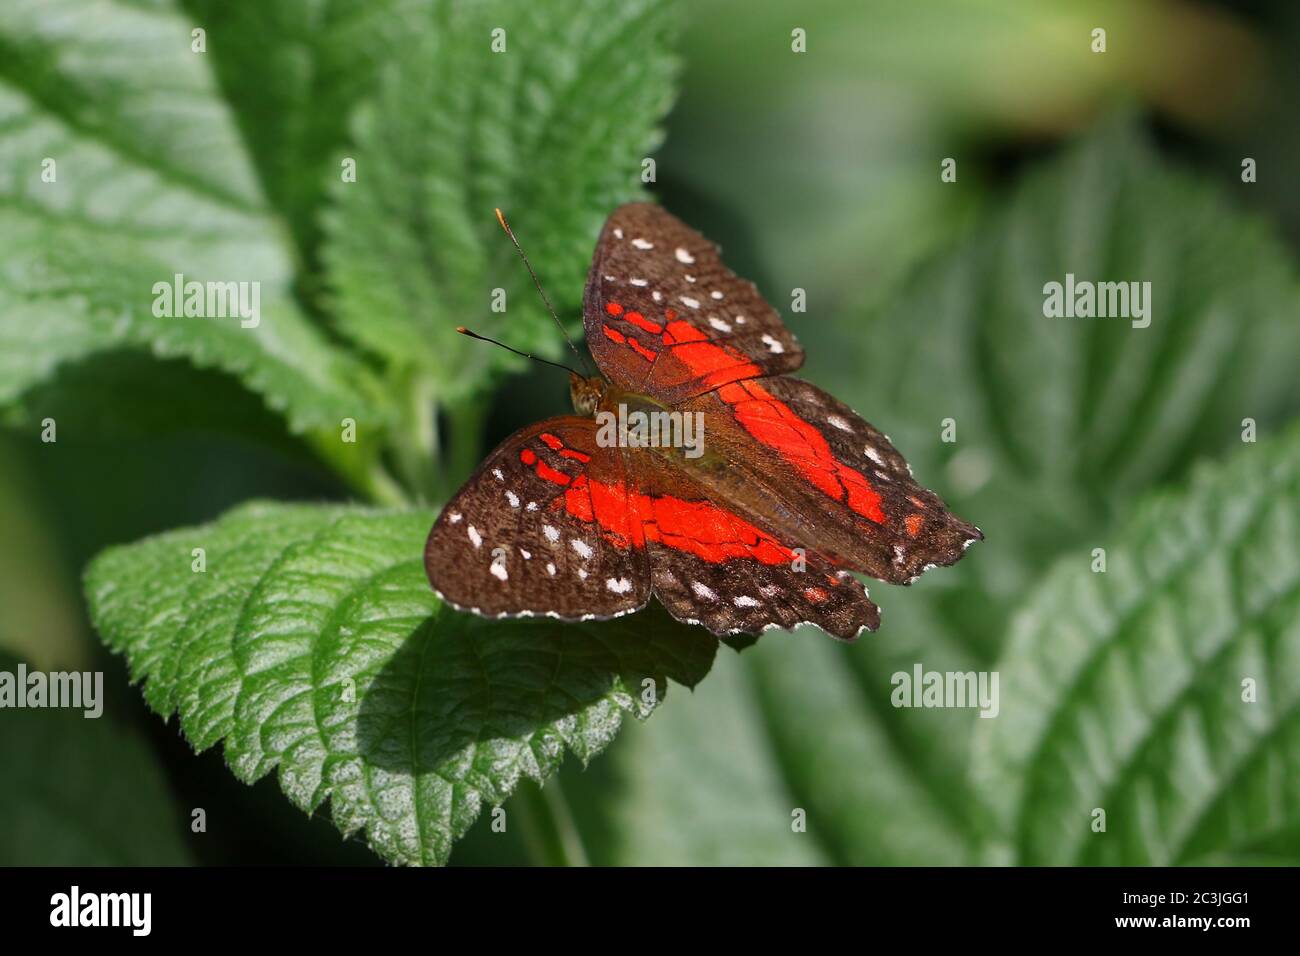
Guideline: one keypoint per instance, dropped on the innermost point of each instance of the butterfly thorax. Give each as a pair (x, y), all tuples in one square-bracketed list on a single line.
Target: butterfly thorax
[(586, 393)]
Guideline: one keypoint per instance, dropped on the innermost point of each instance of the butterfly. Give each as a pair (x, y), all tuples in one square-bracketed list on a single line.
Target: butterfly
[(760, 522)]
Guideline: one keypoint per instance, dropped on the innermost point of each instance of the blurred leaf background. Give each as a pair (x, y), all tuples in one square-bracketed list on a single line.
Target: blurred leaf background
[(817, 171)]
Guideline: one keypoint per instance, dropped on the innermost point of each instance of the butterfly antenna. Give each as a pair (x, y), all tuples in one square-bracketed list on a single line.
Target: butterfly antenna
[(483, 338), (542, 292)]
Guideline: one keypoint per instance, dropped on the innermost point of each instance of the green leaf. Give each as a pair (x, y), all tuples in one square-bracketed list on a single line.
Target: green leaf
[(553, 131), (312, 643), (1061, 422), (150, 179), (81, 792), (797, 723), (1164, 691), (293, 71), (1061, 425), (698, 786)]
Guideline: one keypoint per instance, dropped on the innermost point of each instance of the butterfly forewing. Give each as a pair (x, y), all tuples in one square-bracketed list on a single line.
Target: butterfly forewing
[(665, 317)]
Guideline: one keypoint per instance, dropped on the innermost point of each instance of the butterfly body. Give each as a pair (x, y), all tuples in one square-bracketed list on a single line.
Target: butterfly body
[(760, 523)]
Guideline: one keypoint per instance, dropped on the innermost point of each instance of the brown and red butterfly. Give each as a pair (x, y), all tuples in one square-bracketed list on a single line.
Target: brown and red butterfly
[(792, 493)]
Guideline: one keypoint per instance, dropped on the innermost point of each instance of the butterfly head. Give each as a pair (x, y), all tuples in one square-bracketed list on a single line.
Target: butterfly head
[(586, 393)]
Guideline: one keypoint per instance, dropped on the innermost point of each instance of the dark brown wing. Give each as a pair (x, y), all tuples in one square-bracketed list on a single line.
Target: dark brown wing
[(544, 527), (665, 317)]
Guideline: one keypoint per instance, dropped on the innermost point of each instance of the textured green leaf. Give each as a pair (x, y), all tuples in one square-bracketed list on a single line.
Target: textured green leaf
[(81, 792), (1060, 422), (151, 180), (313, 643), (553, 131), (292, 72), (1125, 691), (1061, 425)]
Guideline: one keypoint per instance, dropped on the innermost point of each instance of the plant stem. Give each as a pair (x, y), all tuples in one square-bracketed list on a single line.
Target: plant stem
[(550, 834), (383, 489)]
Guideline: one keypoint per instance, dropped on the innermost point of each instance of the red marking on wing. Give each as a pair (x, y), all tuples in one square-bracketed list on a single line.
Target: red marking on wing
[(575, 455), (913, 524), (700, 528), (551, 441), (641, 322), (613, 308), (614, 335), (713, 363), (776, 425), (545, 471), (550, 474)]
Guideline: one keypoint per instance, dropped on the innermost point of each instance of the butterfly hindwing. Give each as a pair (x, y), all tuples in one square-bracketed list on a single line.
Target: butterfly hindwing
[(711, 566), (542, 528), (665, 317)]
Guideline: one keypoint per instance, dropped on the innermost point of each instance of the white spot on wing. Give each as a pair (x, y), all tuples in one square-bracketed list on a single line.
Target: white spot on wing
[(718, 324), (618, 233), (687, 300), (498, 570), (741, 320), (642, 244), (873, 455), (513, 499), (638, 282), (744, 600), (582, 573), (684, 256), (584, 550), (552, 534), (550, 567), (531, 506), (454, 517), (703, 590), (773, 346), (526, 553), (618, 585), (715, 294), (656, 295), (496, 473), (474, 536), (839, 423)]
